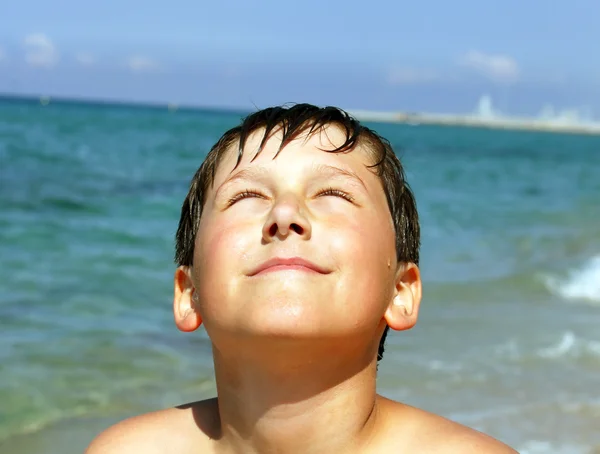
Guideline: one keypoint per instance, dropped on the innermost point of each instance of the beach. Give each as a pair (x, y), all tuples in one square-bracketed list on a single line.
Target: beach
[(507, 340)]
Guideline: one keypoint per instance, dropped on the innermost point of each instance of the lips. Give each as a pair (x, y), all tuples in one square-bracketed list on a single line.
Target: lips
[(291, 263)]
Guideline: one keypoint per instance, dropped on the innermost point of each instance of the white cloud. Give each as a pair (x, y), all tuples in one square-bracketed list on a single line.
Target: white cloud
[(410, 76), (140, 63), (500, 68), (40, 50), (85, 59)]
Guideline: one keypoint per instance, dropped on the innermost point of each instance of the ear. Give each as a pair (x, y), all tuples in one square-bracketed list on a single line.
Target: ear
[(187, 317), (403, 311)]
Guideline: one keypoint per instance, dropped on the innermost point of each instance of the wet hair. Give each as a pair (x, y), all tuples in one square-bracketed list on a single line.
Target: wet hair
[(294, 121)]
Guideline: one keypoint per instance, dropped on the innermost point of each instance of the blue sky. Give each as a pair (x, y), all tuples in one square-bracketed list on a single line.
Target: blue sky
[(385, 55)]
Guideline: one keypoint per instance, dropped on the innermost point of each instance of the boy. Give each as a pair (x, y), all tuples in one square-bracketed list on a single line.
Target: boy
[(297, 247)]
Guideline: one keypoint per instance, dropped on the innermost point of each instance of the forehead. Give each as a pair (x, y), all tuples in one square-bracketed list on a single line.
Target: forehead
[(303, 150)]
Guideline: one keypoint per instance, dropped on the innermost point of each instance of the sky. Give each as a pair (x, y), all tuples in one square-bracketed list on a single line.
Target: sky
[(432, 56)]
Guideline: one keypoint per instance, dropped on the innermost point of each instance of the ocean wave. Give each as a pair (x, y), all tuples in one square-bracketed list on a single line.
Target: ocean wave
[(545, 447), (573, 437), (581, 284), (569, 345)]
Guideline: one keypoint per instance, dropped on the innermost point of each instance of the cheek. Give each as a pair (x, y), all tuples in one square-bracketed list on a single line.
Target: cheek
[(221, 254), (364, 247), (368, 240), (220, 245)]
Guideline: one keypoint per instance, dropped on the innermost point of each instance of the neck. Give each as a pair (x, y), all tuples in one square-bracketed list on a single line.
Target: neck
[(298, 401)]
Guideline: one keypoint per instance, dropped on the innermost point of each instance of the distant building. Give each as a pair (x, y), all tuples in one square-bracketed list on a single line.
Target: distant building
[(485, 108)]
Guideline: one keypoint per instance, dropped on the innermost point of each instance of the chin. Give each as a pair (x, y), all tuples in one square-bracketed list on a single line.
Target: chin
[(284, 315), (301, 319), (293, 308)]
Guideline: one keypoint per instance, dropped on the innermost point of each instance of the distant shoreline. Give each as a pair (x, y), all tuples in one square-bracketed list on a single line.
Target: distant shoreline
[(413, 119), (111, 102), (473, 121)]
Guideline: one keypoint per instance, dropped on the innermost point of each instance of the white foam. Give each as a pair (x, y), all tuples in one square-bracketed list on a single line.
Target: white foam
[(571, 345), (581, 284), (568, 345), (544, 447)]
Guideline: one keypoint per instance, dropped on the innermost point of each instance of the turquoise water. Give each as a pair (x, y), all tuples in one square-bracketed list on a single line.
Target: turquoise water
[(508, 339)]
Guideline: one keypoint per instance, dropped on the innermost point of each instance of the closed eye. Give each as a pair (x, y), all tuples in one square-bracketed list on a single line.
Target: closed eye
[(247, 193), (336, 193)]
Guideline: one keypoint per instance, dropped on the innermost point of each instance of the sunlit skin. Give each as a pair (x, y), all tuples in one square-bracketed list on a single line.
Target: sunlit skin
[(327, 208), (288, 325), (295, 340)]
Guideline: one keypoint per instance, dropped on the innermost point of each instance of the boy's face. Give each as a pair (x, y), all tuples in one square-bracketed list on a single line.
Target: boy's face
[(327, 209)]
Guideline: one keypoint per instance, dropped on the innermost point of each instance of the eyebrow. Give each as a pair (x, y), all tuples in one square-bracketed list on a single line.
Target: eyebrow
[(261, 173), (333, 171), (252, 173)]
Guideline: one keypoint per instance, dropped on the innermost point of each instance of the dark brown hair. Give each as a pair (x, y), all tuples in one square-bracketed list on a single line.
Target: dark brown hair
[(293, 121)]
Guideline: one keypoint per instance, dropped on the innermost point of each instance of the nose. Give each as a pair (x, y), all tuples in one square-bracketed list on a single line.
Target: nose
[(286, 218)]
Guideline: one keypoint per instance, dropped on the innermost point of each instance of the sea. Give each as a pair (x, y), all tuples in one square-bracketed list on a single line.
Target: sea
[(508, 338)]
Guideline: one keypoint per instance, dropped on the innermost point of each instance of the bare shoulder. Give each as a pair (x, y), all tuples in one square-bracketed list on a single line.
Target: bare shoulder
[(421, 431), (187, 428)]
